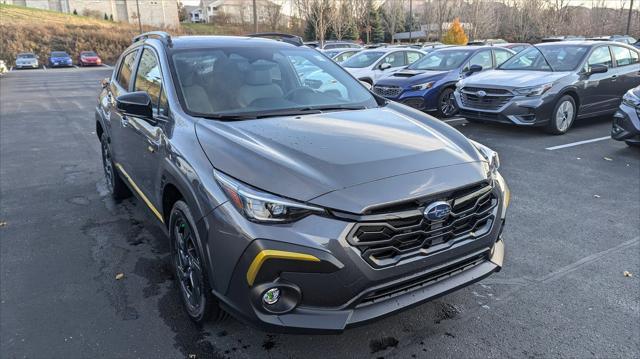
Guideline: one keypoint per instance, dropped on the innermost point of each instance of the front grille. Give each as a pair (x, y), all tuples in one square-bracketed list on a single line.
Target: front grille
[(484, 98), (385, 243), (439, 274), (387, 91)]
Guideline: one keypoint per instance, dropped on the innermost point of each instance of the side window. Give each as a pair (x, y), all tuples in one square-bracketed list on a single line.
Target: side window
[(149, 76), (622, 55), (413, 57), (163, 104), (634, 57), (600, 56), (501, 56), (482, 58), (126, 69), (395, 59)]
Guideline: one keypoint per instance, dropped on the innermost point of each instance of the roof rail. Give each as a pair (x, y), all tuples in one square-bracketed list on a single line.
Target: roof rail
[(153, 34), (288, 38)]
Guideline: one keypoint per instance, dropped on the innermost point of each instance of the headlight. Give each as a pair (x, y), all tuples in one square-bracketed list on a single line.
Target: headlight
[(424, 86), (533, 91), (260, 206), (490, 155)]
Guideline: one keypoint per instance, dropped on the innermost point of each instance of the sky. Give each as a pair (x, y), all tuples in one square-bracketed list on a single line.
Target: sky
[(611, 3)]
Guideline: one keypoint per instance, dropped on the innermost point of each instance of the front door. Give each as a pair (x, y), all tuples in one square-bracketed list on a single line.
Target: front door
[(598, 89)]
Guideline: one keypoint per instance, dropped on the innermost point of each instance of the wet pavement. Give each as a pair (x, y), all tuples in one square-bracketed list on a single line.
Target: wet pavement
[(573, 229)]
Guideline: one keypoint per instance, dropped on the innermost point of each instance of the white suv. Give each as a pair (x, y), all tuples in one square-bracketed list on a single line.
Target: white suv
[(371, 65)]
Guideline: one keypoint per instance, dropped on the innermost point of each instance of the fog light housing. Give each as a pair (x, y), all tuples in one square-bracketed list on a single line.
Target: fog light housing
[(271, 296)]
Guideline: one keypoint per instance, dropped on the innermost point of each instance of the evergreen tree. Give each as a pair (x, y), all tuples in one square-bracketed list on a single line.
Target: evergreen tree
[(75, 12), (111, 17), (455, 35), (377, 32), (353, 33), (106, 17)]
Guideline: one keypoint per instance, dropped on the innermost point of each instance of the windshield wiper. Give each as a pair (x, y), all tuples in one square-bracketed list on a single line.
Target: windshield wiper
[(279, 113), (544, 57)]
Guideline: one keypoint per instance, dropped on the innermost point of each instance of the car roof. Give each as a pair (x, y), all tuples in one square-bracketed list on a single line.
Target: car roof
[(183, 42), (581, 42), (390, 49)]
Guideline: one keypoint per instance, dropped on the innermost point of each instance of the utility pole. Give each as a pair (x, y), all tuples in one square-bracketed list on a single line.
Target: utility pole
[(629, 17), (139, 21), (255, 17), (410, 19)]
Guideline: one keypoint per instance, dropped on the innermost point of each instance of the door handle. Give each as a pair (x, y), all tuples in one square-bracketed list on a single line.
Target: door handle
[(124, 121), (614, 77)]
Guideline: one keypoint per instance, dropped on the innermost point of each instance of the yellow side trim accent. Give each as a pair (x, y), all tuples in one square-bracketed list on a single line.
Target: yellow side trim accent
[(139, 191), (266, 254)]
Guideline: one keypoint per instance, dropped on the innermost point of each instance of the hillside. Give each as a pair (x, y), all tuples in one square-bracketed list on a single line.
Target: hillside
[(25, 29)]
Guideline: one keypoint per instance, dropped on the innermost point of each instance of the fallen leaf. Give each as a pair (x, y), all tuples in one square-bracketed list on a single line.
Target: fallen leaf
[(607, 158), (3, 224), (596, 196), (192, 356), (578, 158), (119, 276), (627, 274)]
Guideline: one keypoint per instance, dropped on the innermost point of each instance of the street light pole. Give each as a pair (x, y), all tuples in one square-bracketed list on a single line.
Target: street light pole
[(629, 17), (410, 19), (139, 21), (255, 17)]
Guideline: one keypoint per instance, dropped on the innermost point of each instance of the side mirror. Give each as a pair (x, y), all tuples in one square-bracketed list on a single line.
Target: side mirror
[(597, 69), (384, 66), (366, 84), (135, 104), (474, 68)]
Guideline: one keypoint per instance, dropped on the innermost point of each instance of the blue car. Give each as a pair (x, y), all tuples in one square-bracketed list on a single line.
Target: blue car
[(60, 59), (428, 84)]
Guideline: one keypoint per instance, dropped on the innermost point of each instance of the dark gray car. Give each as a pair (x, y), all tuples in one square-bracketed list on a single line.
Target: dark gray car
[(552, 85), (295, 209)]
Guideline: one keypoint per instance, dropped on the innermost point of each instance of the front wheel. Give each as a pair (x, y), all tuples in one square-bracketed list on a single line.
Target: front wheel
[(447, 105), (563, 116), (189, 266)]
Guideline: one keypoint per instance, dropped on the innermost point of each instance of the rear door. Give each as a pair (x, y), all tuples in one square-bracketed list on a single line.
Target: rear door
[(627, 69), (500, 56), (598, 90), (396, 59)]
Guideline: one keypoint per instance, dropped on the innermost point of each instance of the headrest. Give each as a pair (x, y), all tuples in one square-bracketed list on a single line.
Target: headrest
[(258, 76)]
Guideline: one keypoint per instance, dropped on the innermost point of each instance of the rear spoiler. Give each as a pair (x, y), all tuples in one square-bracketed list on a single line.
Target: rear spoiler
[(288, 38)]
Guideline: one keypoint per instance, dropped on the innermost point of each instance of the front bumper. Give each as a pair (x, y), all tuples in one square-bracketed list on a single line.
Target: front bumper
[(520, 110), (626, 124), (329, 283), (26, 66)]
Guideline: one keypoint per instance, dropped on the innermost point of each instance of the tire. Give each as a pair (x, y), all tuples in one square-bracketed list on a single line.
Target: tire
[(563, 116), (115, 184), (189, 267), (447, 105)]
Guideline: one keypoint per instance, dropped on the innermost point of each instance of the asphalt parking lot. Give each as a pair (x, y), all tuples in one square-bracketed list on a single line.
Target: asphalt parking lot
[(572, 230)]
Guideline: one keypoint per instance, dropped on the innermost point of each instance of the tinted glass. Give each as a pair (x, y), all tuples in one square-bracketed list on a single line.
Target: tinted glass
[(26, 56), (59, 54), (395, 59), (344, 56), (259, 81), (502, 56), (442, 60), (482, 58), (363, 59), (556, 57), (149, 76), (634, 57), (600, 56), (126, 69), (622, 55), (89, 53)]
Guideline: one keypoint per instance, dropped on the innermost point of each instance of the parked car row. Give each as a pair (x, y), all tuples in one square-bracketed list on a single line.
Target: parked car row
[(29, 60), (551, 84)]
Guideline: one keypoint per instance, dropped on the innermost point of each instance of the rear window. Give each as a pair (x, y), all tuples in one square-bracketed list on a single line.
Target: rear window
[(59, 54), (126, 69), (26, 56), (89, 53), (622, 55)]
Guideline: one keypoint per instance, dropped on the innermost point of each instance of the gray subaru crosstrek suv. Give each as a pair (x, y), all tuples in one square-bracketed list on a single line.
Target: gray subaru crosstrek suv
[(293, 208)]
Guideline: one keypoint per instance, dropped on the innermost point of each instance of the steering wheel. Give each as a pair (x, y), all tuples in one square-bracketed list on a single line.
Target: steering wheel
[(297, 90)]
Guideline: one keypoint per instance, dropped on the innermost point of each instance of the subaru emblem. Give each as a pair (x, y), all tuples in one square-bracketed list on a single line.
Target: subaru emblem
[(437, 211), (481, 93)]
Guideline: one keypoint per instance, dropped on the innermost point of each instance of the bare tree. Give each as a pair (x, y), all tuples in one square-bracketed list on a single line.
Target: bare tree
[(318, 13), (394, 15), (343, 17), (273, 14)]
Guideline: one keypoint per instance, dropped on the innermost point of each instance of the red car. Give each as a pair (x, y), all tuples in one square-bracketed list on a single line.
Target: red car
[(89, 58)]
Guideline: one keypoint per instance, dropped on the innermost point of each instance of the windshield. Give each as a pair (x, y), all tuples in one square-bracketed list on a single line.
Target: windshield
[(332, 53), (26, 56), (89, 53), (444, 60), (363, 59), (59, 54), (558, 57), (259, 82)]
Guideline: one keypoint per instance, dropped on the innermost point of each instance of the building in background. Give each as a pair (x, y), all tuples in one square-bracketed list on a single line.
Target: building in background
[(163, 13), (240, 11)]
